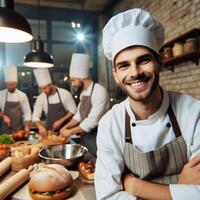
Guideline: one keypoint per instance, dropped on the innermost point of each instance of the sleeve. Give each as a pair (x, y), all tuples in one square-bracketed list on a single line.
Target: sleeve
[(77, 116), (181, 191), (1, 102), (100, 104), (109, 166), (38, 108), (26, 108), (69, 102)]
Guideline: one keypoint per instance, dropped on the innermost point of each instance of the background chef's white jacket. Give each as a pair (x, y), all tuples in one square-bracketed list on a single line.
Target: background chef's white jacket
[(14, 97), (41, 103), (100, 105), (147, 135)]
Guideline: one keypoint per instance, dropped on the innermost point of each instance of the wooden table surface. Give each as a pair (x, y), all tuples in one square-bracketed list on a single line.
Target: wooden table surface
[(82, 191)]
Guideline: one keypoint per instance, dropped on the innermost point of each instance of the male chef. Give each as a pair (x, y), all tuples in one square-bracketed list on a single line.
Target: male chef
[(14, 104), (147, 142), (94, 102), (57, 104)]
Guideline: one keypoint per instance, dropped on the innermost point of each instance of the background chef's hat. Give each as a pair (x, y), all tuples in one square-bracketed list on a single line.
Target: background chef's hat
[(42, 77), (129, 28), (10, 73), (80, 65)]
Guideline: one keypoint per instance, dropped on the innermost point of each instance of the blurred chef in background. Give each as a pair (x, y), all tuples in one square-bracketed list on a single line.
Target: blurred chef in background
[(57, 104), (14, 104), (94, 102)]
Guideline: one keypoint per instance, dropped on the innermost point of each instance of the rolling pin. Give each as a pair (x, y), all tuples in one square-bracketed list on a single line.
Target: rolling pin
[(5, 165), (13, 182)]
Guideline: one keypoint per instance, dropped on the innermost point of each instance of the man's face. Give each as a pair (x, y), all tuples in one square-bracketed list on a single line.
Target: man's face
[(137, 72), (77, 83), (47, 89), (11, 86)]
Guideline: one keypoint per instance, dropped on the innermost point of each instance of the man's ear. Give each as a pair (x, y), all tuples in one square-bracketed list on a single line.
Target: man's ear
[(115, 75)]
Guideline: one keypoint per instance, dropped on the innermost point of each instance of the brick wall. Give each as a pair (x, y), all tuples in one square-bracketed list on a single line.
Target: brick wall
[(178, 16)]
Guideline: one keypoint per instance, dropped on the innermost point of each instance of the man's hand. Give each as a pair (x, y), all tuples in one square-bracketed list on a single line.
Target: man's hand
[(27, 130), (57, 124), (65, 132), (6, 120), (128, 184), (191, 172), (42, 131)]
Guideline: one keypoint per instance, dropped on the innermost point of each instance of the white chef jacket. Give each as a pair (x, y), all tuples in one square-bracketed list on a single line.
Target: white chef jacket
[(100, 105), (147, 135), (16, 96), (41, 103)]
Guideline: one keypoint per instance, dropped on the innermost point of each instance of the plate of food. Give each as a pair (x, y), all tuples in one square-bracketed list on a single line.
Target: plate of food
[(87, 171), (53, 138), (19, 135)]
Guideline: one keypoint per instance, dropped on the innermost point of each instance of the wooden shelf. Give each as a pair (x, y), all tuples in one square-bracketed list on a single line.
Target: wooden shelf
[(195, 32), (193, 56)]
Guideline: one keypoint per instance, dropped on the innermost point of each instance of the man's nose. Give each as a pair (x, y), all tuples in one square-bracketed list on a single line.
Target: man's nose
[(133, 70)]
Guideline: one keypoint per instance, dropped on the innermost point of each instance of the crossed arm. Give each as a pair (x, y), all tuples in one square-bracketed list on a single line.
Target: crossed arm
[(152, 191)]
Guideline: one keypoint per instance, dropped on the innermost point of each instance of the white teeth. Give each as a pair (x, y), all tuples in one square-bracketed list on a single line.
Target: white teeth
[(137, 84)]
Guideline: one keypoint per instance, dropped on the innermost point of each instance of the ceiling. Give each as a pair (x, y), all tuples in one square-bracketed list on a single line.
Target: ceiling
[(87, 5)]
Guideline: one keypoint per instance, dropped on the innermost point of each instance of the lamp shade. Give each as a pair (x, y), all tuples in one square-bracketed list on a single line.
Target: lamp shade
[(38, 58), (14, 28)]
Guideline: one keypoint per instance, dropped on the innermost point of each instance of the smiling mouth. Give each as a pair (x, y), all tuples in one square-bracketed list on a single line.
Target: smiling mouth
[(139, 83)]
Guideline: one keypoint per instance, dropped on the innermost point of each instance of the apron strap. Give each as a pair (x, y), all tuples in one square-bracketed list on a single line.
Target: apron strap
[(92, 88), (127, 129), (174, 122)]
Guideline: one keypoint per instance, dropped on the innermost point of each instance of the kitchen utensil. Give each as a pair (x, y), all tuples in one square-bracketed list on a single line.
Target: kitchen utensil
[(66, 155)]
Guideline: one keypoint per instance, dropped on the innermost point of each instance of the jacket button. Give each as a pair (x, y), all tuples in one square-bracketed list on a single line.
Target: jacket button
[(168, 125), (133, 124)]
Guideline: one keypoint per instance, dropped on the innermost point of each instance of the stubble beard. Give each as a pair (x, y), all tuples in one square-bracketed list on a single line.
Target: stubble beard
[(146, 95)]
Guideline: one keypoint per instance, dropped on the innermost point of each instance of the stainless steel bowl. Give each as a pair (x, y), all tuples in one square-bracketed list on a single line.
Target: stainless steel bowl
[(66, 155)]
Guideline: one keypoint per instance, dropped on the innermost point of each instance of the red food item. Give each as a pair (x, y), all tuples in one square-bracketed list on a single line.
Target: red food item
[(18, 134), (87, 169), (3, 147)]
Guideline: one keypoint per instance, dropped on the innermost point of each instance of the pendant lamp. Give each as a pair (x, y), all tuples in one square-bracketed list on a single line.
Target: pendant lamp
[(38, 58), (14, 28)]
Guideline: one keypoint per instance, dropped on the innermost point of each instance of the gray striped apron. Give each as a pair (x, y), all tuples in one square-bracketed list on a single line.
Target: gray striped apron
[(14, 111), (55, 112), (164, 164), (88, 139)]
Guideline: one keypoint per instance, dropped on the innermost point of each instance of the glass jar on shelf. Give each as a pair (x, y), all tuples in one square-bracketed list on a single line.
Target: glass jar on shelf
[(177, 49), (167, 53), (190, 45)]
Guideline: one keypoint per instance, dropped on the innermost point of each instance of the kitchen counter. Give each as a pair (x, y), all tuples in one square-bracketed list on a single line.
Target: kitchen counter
[(82, 190)]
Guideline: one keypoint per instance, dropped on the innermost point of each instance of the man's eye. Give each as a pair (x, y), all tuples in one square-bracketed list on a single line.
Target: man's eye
[(144, 60), (122, 67)]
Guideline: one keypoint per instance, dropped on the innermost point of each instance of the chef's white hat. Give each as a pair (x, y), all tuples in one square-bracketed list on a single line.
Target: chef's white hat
[(42, 77), (129, 28), (10, 73), (80, 65)]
